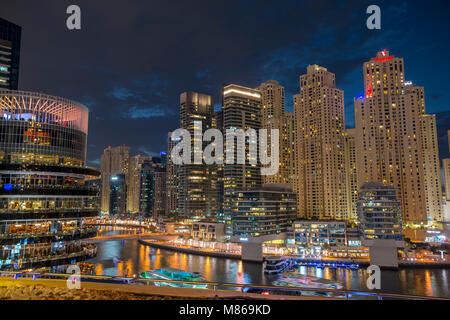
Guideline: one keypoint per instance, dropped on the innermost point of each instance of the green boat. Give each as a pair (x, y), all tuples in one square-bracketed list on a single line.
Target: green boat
[(176, 275)]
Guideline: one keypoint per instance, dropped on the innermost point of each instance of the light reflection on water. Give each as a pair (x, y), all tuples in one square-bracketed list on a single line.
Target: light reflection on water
[(126, 258)]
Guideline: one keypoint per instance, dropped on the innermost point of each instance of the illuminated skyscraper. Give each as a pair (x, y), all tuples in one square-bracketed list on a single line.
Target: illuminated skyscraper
[(117, 194), (432, 168), (196, 193), (320, 154), (241, 108), (391, 130), (10, 35), (350, 164), (134, 181), (274, 116), (114, 161), (172, 180)]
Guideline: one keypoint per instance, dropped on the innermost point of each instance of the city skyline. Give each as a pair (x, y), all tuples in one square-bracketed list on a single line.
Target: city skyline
[(224, 150), (141, 92)]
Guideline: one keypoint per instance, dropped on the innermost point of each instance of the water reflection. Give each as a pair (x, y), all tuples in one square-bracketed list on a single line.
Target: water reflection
[(132, 257)]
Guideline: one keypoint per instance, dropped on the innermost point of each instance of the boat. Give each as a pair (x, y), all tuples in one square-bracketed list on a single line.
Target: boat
[(294, 279), (172, 274), (274, 264)]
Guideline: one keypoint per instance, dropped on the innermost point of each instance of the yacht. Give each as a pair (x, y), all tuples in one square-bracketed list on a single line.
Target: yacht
[(274, 264)]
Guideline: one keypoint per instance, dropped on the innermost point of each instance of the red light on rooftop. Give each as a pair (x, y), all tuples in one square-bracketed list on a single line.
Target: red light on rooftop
[(383, 59)]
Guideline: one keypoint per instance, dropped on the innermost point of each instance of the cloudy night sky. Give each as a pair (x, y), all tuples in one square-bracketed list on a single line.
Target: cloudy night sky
[(133, 58)]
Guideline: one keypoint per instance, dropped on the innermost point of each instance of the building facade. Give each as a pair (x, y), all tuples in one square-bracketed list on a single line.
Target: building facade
[(114, 161), (351, 174), (432, 169), (134, 182), (320, 155), (379, 212), (172, 180), (10, 36), (117, 194), (44, 195), (208, 231), (196, 192), (275, 117), (322, 233), (390, 121), (265, 213), (241, 110)]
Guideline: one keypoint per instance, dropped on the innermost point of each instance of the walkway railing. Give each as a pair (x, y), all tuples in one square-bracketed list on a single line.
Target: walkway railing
[(242, 288)]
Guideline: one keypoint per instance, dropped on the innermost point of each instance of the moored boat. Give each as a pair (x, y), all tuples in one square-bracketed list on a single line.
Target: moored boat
[(274, 265), (174, 275)]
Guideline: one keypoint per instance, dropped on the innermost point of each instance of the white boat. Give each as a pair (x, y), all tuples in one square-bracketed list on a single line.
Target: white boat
[(275, 264)]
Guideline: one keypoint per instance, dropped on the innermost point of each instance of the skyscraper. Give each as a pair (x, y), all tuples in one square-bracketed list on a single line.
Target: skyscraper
[(320, 154), (10, 35), (196, 193), (172, 179), (152, 189), (274, 116), (117, 194), (134, 181), (432, 168), (390, 136), (351, 173), (113, 161), (241, 109)]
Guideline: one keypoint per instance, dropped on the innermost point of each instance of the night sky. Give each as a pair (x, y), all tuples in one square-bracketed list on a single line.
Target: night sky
[(133, 58)]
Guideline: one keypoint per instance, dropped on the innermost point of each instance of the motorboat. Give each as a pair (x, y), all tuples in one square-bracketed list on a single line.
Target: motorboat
[(172, 274), (275, 264)]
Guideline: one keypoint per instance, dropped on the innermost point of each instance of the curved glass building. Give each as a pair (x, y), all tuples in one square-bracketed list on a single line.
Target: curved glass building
[(43, 191)]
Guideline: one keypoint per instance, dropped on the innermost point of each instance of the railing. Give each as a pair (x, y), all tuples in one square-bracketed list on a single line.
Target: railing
[(77, 232), (242, 288)]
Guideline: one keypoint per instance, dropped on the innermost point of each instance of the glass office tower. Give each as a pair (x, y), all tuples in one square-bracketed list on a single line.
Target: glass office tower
[(10, 35)]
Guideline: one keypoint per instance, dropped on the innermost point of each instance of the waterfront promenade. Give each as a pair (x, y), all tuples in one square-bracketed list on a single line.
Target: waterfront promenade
[(53, 289), (157, 243)]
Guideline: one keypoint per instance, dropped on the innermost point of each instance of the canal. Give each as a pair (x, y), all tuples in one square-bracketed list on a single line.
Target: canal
[(129, 257)]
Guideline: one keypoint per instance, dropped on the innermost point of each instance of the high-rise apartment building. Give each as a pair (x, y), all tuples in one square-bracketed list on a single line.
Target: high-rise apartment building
[(10, 36), (352, 175), (432, 168), (117, 194), (172, 179), (113, 161), (196, 191), (446, 165), (320, 155), (134, 181), (274, 116), (152, 191), (390, 123), (160, 196), (287, 141), (241, 109)]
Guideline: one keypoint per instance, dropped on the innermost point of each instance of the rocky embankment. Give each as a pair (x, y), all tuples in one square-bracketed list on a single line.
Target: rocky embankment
[(40, 292)]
